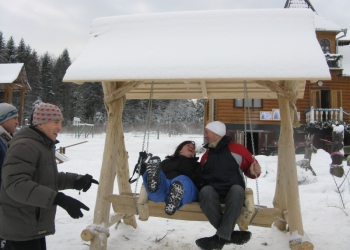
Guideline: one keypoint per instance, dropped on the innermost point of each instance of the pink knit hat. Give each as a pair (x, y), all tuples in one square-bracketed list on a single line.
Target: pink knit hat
[(45, 113)]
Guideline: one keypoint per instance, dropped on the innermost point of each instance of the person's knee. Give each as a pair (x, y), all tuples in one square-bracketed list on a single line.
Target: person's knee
[(207, 193), (236, 191)]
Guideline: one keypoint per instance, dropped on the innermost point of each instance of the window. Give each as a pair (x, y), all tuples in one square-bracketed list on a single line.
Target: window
[(255, 103), (325, 45), (325, 98)]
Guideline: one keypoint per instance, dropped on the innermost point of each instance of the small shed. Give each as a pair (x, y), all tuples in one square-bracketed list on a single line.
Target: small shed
[(202, 55), (13, 77)]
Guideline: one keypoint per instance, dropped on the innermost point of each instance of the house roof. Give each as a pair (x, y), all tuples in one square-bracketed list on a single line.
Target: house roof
[(322, 24), (13, 73), (202, 54), (299, 4)]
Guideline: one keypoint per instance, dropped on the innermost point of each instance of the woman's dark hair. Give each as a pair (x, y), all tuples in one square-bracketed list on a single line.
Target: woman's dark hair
[(178, 149)]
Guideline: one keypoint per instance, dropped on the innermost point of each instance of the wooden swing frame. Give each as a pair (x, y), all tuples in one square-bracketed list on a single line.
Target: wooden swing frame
[(286, 201)]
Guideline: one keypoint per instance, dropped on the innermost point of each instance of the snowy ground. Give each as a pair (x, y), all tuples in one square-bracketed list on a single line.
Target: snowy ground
[(325, 223)]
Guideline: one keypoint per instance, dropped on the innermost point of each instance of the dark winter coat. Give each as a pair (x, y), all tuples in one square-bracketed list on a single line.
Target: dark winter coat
[(5, 137), (30, 182), (173, 167), (224, 165)]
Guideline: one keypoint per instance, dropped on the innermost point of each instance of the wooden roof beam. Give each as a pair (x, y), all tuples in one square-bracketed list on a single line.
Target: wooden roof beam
[(279, 90), (121, 91), (204, 89)]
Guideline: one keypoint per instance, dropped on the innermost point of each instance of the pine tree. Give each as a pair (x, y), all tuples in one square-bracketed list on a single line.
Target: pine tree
[(135, 111), (3, 49), (200, 110), (33, 76), (64, 92), (47, 94), (90, 106), (11, 51), (22, 52)]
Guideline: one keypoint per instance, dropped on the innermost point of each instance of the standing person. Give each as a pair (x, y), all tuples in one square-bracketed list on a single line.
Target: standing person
[(8, 126), (175, 180), (30, 183), (223, 164)]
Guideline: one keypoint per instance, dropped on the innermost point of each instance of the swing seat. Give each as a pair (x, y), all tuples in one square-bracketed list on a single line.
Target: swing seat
[(124, 204)]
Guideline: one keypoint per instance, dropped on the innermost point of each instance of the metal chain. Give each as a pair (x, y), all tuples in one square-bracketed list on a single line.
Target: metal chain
[(252, 139), (245, 122), (148, 119)]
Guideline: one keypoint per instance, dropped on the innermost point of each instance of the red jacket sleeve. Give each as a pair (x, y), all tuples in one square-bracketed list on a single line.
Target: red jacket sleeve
[(247, 158)]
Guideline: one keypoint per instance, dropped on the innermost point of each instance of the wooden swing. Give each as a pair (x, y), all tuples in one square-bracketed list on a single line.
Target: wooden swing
[(124, 207), (198, 68), (129, 204)]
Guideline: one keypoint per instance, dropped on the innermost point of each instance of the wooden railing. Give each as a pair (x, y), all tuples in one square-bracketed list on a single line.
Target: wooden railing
[(324, 115)]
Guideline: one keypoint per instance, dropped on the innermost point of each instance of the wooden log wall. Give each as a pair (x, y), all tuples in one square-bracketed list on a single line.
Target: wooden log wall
[(226, 112)]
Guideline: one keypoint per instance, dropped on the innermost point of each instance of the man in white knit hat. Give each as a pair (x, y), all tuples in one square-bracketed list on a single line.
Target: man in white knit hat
[(224, 164), (31, 183)]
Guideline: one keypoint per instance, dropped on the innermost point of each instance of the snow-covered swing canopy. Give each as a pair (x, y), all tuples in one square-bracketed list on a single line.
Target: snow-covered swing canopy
[(201, 54)]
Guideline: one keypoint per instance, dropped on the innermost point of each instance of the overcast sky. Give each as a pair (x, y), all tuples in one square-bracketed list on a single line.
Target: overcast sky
[(53, 25)]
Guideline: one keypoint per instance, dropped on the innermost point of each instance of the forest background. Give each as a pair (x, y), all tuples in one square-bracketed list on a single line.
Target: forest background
[(85, 101)]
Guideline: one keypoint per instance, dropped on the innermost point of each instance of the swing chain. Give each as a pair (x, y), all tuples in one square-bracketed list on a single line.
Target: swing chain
[(247, 107), (148, 119), (146, 134)]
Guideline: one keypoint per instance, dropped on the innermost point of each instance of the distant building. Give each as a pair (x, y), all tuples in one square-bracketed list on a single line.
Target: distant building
[(13, 77)]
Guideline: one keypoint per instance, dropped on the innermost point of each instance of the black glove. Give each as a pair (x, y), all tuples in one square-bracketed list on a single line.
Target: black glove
[(84, 182), (71, 205)]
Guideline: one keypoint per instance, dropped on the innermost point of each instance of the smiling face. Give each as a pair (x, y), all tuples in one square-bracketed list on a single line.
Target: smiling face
[(210, 136), (51, 129), (11, 125), (188, 150)]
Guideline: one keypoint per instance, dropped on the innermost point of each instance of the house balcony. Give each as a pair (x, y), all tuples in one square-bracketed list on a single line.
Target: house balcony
[(334, 60), (323, 118)]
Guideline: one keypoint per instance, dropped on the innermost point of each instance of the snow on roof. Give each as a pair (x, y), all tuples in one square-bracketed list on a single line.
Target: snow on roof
[(323, 24), (9, 72), (273, 44)]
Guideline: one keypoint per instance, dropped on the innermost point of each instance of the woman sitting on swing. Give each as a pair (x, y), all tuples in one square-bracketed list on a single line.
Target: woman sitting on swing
[(176, 180)]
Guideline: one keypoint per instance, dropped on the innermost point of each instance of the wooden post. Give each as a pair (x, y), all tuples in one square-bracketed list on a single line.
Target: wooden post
[(10, 94), (21, 105), (115, 162), (6, 92), (287, 164), (280, 199)]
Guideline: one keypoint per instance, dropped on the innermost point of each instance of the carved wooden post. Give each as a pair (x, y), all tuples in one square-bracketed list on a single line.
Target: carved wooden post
[(280, 199), (287, 163), (115, 161)]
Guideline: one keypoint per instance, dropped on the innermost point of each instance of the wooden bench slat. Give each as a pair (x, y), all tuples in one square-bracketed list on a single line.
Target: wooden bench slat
[(190, 211)]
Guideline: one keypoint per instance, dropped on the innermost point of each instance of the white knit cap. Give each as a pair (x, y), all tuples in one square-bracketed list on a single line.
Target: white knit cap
[(217, 127), (7, 111)]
